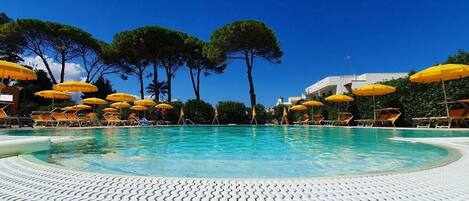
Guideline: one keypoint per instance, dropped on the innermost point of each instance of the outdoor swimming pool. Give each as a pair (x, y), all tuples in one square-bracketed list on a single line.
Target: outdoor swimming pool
[(243, 151)]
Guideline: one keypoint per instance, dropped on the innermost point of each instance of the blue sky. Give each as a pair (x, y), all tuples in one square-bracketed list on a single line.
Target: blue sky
[(316, 36)]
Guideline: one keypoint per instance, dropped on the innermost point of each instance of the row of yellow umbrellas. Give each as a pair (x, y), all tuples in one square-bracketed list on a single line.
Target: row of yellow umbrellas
[(369, 90), (440, 73)]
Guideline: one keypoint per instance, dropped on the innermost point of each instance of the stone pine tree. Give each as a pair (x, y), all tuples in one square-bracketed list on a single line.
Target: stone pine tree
[(199, 63), (246, 40), (129, 50)]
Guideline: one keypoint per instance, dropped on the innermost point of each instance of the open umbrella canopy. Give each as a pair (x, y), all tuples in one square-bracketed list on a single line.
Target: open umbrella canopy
[(74, 86), (110, 109), (145, 102), (164, 106), (120, 97), (10, 70), (120, 105), (339, 98), (138, 107), (374, 90), (70, 108), (81, 107), (440, 73), (94, 101), (53, 94), (312, 103), (298, 108)]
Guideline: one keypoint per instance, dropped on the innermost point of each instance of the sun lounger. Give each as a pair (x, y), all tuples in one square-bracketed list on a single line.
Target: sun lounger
[(305, 121), (344, 119), (387, 117), (422, 122), (113, 119), (456, 116), (43, 118), (73, 118), (317, 120), (6, 120), (92, 119), (59, 117)]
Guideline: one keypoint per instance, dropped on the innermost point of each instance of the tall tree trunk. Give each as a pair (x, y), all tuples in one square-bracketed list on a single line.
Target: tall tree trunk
[(169, 76), (44, 60), (194, 85), (249, 58), (198, 83), (155, 82), (62, 72), (140, 79)]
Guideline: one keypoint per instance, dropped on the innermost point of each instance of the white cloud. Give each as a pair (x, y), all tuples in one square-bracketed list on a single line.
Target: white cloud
[(73, 71)]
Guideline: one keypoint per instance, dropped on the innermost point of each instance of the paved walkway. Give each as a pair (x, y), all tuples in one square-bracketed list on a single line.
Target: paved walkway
[(25, 180)]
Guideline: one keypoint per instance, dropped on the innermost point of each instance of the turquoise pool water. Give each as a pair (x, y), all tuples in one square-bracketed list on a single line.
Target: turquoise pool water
[(243, 151)]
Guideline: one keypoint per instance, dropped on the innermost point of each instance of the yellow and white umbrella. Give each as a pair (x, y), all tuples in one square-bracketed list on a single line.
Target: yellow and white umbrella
[(120, 97), (164, 106), (10, 70), (53, 94), (339, 98), (110, 109), (145, 102), (441, 73), (312, 104), (374, 90), (94, 101)]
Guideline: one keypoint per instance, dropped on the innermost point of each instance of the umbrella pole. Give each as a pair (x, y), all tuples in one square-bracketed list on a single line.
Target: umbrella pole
[(52, 106), (312, 113), (444, 94), (338, 108), (374, 108)]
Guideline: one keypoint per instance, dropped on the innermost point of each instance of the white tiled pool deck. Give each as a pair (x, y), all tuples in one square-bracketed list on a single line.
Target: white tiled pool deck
[(24, 180)]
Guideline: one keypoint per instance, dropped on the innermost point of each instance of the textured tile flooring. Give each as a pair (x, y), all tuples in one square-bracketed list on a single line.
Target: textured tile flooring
[(25, 180)]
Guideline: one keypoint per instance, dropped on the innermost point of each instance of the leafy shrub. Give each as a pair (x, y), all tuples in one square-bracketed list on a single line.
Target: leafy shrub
[(199, 111), (232, 112)]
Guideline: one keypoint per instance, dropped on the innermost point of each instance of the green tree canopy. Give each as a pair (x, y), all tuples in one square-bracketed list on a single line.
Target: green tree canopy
[(246, 40), (43, 38), (198, 62), (97, 59), (9, 49), (130, 51)]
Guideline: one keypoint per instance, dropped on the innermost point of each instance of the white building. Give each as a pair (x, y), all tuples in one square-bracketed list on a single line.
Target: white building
[(292, 100), (344, 83)]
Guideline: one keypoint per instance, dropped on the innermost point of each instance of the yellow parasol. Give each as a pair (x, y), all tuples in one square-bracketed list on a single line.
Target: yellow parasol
[(145, 102), (164, 106), (70, 108), (374, 90), (138, 107), (10, 70), (253, 113), (81, 107), (120, 105), (53, 94), (284, 116), (312, 104), (94, 101), (298, 108), (181, 117), (110, 109), (441, 73), (120, 97), (75, 86), (339, 98)]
